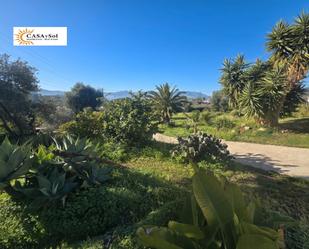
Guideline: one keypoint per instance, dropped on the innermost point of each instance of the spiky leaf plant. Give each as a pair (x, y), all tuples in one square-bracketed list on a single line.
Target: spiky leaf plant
[(49, 188), (15, 162)]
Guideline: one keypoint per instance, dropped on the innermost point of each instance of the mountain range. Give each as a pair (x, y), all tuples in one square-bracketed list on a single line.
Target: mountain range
[(121, 94)]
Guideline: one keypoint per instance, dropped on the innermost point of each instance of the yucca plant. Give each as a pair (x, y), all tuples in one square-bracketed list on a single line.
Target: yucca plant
[(289, 45), (233, 78), (15, 162), (219, 219)]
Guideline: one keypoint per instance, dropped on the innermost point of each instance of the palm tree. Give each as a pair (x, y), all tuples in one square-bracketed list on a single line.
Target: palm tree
[(167, 100)]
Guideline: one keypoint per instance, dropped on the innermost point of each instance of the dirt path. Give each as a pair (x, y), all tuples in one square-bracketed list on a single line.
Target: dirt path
[(286, 160)]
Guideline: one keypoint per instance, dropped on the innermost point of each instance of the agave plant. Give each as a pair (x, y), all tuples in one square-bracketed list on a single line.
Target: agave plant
[(15, 162), (219, 219), (74, 146), (79, 156), (92, 175), (74, 152), (49, 188)]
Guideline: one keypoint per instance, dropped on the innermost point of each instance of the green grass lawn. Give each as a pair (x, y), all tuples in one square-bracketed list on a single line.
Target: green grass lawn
[(292, 131), (276, 192)]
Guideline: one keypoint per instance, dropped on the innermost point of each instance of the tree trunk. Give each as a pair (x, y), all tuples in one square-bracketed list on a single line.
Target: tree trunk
[(272, 116), (166, 119), (272, 119)]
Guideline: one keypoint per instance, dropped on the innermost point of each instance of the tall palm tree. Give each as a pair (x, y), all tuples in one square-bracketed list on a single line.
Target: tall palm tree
[(167, 100)]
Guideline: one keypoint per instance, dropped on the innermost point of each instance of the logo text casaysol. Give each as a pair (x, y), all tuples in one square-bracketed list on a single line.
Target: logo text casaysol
[(40, 36)]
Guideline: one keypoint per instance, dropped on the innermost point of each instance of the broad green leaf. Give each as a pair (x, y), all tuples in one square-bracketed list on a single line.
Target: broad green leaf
[(22, 170), (214, 204), (264, 231), (2, 185), (6, 148), (4, 170), (251, 208), (44, 182), (189, 231), (156, 238), (237, 201), (212, 199), (254, 241)]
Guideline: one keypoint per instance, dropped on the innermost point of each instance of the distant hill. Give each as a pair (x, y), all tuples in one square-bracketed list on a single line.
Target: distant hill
[(45, 92), (117, 95), (120, 94), (195, 95)]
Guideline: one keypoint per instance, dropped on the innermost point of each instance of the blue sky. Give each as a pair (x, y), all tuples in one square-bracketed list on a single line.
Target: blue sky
[(132, 44)]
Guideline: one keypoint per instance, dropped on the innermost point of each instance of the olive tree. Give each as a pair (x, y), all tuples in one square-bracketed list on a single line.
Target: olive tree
[(17, 81)]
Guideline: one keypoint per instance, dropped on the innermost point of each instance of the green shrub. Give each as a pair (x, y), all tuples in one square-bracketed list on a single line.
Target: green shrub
[(124, 237), (236, 113), (199, 147), (224, 123), (206, 117), (86, 124), (127, 121), (17, 229), (114, 151), (303, 111), (195, 116)]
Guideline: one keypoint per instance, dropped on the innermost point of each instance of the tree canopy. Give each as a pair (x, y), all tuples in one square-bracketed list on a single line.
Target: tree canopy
[(17, 81), (82, 96), (268, 89), (167, 100)]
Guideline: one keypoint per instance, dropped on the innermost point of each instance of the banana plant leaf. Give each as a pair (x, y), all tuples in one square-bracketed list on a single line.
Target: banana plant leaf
[(159, 238), (254, 241), (189, 231), (215, 205)]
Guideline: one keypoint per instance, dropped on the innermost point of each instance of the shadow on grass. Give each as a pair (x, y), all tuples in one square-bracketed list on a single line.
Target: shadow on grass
[(296, 125), (129, 197), (282, 193)]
